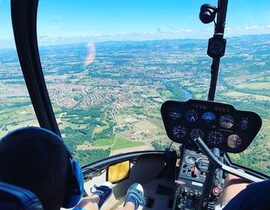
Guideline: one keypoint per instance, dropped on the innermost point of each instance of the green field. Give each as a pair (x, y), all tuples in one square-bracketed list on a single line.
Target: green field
[(103, 142), (121, 143), (166, 94), (114, 103)]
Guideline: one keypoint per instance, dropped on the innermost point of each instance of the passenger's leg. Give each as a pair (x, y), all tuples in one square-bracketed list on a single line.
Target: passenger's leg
[(232, 186), (95, 201), (89, 203), (128, 206), (134, 198)]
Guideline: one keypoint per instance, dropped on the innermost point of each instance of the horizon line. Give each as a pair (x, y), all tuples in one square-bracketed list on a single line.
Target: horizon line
[(120, 40)]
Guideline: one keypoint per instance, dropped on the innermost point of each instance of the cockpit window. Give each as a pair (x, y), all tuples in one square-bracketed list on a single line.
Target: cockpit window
[(15, 106), (109, 65)]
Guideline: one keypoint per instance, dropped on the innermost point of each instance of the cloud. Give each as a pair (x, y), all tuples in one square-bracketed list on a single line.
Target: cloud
[(91, 55), (248, 30), (197, 33), (251, 27)]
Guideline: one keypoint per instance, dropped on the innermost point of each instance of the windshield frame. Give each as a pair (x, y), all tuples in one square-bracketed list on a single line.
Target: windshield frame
[(24, 26), (24, 23)]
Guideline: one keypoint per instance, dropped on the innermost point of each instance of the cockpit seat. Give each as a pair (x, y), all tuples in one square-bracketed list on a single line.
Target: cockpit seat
[(17, 198)]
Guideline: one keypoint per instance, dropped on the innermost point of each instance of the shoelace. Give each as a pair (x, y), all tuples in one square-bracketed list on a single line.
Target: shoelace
[(137, 194), (92, 189), (101, 190)]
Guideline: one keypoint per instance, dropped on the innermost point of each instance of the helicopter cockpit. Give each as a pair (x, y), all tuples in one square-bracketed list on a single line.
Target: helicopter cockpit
[(209, 125), (189, 172)]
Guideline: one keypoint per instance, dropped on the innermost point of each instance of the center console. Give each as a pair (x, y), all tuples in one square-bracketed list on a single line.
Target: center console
[(192, 173)]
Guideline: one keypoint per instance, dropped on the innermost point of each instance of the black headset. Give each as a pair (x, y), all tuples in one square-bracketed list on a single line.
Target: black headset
[(75, 183)]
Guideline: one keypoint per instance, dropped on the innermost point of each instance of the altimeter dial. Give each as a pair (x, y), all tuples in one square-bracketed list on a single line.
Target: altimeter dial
[(226, 121)]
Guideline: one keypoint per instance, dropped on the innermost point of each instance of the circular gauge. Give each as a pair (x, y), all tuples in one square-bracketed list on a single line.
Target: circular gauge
[(179, 132), (175, 115), (234, 141), (208, 117), (190, 160), (195, 133), (191, 116), (202, 164), (226, 121), (244, 124), (215, 138)]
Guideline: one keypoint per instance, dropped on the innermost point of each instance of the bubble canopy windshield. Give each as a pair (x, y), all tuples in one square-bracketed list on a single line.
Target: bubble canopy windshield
[(123, 59), (109, 65)]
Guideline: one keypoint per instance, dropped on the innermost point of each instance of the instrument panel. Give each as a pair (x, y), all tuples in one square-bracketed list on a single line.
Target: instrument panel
[(219, 125)]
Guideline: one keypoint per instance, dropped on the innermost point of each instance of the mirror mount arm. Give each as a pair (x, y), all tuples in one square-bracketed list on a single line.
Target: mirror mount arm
[(216, 46), (216, 49)]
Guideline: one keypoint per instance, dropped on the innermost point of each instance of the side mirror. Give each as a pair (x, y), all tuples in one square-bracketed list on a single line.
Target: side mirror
[(118, 172)]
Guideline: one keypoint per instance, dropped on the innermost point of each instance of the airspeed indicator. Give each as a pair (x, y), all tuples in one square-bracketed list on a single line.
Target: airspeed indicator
[(179, 132), (191, 116)]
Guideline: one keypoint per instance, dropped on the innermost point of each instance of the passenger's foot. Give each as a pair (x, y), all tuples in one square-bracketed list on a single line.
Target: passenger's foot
[(103, 192), (135, 195)]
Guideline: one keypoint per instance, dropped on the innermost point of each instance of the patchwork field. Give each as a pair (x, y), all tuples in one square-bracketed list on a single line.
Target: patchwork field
[(112, 106)]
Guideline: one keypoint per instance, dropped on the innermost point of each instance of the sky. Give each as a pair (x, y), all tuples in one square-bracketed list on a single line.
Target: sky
[(71, 21)]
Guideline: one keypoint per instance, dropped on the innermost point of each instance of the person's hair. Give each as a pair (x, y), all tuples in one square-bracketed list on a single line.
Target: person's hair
[(36, 161)]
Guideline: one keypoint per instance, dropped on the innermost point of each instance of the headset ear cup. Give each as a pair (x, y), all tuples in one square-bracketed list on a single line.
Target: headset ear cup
[(76, 189), (79, 176)]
